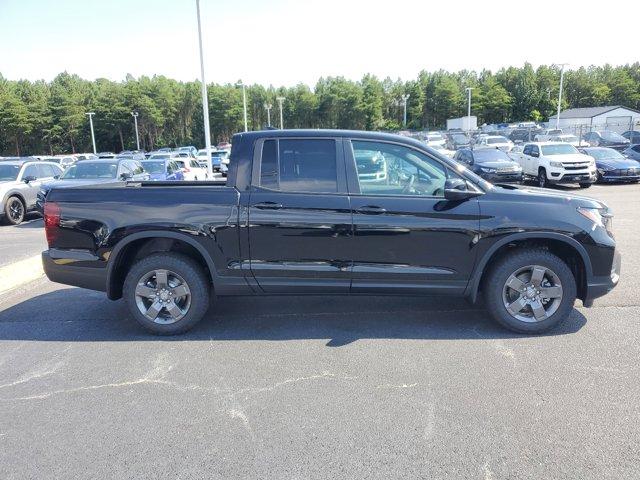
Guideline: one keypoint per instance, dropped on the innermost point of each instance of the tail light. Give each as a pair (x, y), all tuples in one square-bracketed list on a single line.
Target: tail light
[(51, 221)]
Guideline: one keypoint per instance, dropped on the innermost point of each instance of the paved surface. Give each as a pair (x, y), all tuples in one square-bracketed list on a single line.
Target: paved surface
[(322, 388), (22, 241)]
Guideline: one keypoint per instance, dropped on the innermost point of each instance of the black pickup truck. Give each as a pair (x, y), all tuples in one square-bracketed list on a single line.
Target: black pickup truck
[(332, 212)]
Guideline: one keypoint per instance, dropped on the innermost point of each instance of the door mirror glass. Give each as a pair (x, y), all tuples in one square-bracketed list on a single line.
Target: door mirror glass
[(29, 179)]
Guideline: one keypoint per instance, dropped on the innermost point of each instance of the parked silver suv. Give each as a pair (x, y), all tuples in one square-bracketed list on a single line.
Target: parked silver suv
[(20, 182)]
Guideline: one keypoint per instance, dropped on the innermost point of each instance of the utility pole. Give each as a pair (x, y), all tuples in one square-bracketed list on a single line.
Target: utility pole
[(268, 107), (280, 100), (135, 119), (405, 97), (562, 65), (244, 104), (205, 100), (468, 89), (93, 136)]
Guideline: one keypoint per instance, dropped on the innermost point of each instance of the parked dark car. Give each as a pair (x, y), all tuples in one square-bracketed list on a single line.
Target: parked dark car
[(492, 164), (633, 136), (632, 152), (90, 172), (522, 135), (606, 138), (163, 169), (612, 165), (294, 218), (457, 140)]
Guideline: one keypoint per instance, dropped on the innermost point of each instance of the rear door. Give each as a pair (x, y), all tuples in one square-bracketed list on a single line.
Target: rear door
[(299, 216), (407, 237)]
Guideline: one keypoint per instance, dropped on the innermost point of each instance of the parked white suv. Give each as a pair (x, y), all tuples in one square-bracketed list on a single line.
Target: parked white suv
[(556, 162), (494, 141)]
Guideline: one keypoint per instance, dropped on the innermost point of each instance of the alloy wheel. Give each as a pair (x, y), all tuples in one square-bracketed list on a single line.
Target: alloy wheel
[(532, 293), (542, 179), (16, 210), (163, 296)]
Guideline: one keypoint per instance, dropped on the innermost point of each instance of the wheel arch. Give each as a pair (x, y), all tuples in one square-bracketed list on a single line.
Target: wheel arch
[(142, 244), (568, 249)]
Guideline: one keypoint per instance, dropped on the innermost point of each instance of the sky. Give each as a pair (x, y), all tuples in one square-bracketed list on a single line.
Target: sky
[(282, 42)]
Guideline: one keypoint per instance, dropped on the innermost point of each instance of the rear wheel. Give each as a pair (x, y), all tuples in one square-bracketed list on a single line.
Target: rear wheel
[(530, 291), (542, 178), (14, 211), (167, 293)]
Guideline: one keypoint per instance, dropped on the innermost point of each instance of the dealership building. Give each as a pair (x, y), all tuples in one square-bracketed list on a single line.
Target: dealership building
[(615, 118)]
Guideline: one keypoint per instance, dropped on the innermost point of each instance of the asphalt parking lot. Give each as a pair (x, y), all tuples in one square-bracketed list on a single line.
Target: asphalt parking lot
[(322, 387)]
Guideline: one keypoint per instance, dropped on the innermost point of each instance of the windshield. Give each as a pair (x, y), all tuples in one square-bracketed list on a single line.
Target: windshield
[(568, 138), (614, 137), (91, 170), (9, 172), (154, 167), (490, 155), (605, 153), (434, 136), (460, 139), (491, 140), (558, 149), (159, 155)]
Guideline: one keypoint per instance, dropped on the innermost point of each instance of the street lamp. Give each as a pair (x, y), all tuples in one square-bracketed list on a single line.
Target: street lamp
[(468, 89), (205, 101), (405, 97), (93, 136), (562, 65), (268, 107), (280, 100), (244, 103), (135, 119)]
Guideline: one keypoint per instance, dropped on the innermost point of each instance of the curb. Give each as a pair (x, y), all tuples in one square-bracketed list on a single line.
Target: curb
[(16, 274)]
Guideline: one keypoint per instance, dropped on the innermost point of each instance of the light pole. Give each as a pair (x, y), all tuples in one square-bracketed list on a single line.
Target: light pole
[(405, 97), (468, 89), (93, 136), (562, 65), (268, 107), (135, 120), (244, 104), (280, 100), (205, 101)]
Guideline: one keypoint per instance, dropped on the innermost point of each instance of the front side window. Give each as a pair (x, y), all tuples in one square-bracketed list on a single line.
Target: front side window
[(30, 171), (390, 169), (304, 165)]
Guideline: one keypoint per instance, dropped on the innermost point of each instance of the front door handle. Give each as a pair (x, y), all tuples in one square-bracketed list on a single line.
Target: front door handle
[(371, 210), (268, 205)]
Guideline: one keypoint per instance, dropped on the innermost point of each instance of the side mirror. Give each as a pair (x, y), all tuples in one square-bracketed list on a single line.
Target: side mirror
[(535, 154), (29, 179), (126, 176), (57, 177), (456, 189)]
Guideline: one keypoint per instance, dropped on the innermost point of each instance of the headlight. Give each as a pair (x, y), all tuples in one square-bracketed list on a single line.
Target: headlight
[(556, 164), (592, 163), (488, 170), (602, 217)]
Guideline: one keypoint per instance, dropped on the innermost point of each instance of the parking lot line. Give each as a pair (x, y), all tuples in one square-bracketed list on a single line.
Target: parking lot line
[(19, 273)]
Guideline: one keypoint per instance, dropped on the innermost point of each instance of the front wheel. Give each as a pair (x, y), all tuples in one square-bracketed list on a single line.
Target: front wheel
[(530, 291), (542, 178), (14, 211), (167, 293)]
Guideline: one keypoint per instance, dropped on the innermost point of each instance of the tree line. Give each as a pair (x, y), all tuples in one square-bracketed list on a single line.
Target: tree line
[(49, 117)]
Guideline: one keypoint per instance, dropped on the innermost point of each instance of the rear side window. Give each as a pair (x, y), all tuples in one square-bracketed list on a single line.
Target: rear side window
[(307, 165)]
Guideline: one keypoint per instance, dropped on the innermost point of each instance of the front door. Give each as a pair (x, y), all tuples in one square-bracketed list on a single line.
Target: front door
[(299, 216), (408, 238)]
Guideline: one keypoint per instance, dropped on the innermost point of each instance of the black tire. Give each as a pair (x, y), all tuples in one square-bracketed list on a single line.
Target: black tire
[(14, 211), (190, 272), (585, 185), (542, 178), (494, 286)]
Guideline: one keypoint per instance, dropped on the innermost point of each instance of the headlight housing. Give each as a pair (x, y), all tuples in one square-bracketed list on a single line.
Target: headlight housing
[(556, 164), (592, 163), (601, 217), (488, 170)]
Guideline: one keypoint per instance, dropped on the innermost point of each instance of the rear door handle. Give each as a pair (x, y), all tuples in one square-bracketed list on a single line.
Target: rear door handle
[(268, 205), (371, 210)]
